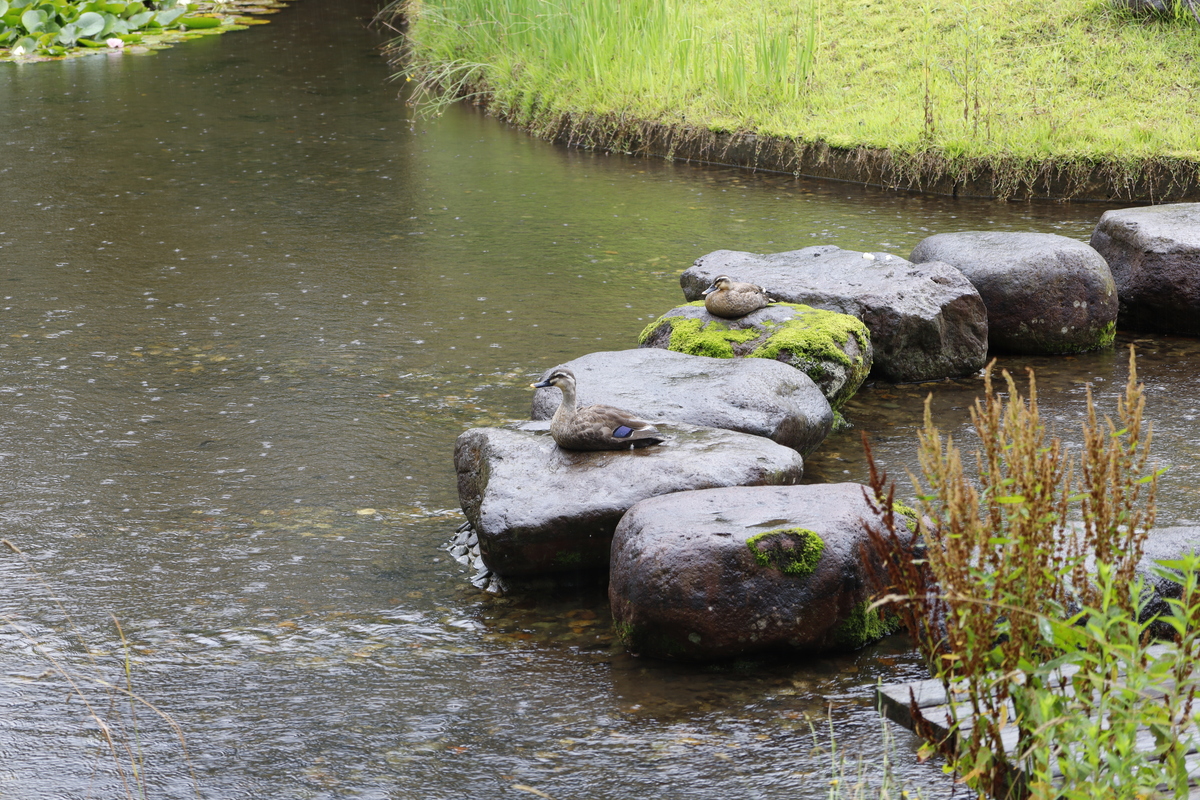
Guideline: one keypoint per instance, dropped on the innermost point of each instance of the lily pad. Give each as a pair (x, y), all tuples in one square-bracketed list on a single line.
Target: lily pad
[(55, 29), (90, 24)]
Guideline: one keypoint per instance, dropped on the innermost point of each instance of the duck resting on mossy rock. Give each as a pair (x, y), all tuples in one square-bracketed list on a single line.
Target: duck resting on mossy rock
[(595, 427), (731, 299), (927, 321)]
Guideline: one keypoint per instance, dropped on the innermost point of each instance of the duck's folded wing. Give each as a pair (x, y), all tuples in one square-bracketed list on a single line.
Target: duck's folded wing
[(634, 430)]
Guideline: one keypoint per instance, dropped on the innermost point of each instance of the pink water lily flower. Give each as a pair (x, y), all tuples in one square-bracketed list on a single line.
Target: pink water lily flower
[(115, 43)]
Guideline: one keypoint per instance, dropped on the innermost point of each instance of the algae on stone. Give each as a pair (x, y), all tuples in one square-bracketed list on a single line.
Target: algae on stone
[(569, 559), (864, 626), (792, 551), (831, 348), (909, 514), (692, 336), (815, 333)]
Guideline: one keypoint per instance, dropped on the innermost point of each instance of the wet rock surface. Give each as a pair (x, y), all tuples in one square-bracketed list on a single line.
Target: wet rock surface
[(1045, 294), (537, 508), (726, 572), (832, 349), (927, 322), (759, 397), (1154, 255), (1164, 544)]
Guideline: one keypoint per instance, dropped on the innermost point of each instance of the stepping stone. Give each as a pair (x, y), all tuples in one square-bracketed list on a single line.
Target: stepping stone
[(1154, 255), (1045, 294), (761, 397), (539, 509), (926, 320), (832, 349), (728, 572)]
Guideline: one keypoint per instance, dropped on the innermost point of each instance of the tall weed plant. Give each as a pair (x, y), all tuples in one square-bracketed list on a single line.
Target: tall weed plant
[(1024, 598)]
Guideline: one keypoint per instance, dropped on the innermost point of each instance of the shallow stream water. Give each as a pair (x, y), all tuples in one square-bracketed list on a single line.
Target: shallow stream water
[(248, 301)]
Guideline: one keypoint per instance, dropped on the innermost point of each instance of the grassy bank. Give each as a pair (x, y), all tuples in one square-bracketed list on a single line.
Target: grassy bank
[(1007, 93)]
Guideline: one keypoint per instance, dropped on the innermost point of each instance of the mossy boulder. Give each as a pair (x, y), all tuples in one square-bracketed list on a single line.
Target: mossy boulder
[(833, 349), (723, 573), (927, 322)]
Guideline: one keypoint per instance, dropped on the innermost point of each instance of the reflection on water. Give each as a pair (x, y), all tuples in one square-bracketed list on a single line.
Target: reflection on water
[(248, 302)]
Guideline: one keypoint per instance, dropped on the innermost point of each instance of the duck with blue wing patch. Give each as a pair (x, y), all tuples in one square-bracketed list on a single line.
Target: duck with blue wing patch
[(595, 427)]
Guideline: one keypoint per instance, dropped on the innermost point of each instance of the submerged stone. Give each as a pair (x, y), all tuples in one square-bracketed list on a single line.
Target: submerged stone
[(761, 397), (1154, 255), (926, 320), (832, 349), (722, 573), (1045, 293), (540, 509)]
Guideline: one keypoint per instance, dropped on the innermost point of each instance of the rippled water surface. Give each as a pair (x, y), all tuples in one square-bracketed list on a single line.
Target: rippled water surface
[(248, 302)]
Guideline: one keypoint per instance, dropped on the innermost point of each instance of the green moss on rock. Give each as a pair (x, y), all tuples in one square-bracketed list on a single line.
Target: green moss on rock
[(816, 334), (569, 558), (792, 551), (911, 516), (812, 340), (863, 626), (693, 337), (1035, 340), (642, 640)]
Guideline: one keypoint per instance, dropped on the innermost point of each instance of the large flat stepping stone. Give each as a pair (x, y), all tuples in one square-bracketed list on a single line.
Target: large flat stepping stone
[(728, 572), (1045, 294), (1154, 255), (764, 398), (537, 508), (927, 322), (831, 348)]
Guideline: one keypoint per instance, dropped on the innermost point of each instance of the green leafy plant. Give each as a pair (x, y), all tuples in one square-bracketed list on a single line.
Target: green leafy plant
[(1024, 599), (54, 27)]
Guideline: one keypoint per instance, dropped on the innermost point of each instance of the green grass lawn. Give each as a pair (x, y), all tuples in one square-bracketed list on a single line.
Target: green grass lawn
[(946, 87)]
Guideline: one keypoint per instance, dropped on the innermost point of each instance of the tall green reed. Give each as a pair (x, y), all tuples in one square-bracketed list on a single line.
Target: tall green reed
[(646, 48)]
